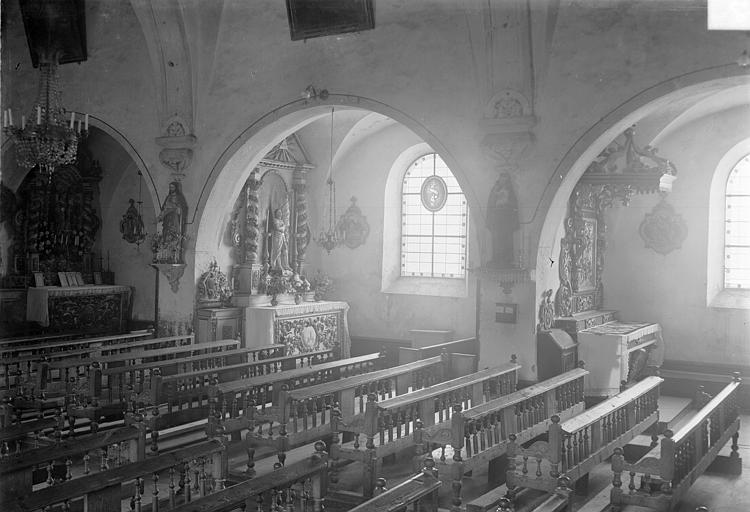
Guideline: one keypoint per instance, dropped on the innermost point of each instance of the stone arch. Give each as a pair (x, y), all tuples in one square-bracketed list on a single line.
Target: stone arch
[(543, 231), (239, 158)]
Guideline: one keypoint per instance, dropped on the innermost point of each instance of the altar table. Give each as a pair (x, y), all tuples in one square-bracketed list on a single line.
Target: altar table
[(93, 308), (617, 352)]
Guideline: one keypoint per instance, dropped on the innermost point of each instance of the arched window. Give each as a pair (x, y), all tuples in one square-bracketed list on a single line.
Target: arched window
[(737, 227), (434, 217)]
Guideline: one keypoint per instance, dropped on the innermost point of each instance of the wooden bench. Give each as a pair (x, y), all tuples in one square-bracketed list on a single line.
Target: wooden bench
[(667, 472), (575, 446), (302, 484), (197, 470), (20, 360), (53, 464), (419, 492), (263, 390), (462, 346), (302, 415), (387, 425)]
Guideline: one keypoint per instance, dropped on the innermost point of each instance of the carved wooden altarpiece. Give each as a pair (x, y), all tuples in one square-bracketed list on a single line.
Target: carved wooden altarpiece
[(279, 182), (620, 171)]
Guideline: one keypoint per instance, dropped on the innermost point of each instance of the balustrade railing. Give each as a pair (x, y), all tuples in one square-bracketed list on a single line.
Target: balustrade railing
[(102, 450), (682, 456), (576, 445), (163, 482)]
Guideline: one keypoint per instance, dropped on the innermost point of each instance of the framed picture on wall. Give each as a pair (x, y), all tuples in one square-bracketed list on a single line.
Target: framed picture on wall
[(38, 279), (97, 278), (63, 279)]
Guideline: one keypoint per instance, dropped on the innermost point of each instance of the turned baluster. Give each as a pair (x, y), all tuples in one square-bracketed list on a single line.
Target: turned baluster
[(137, 496), (155, 430), (185, 482), (172, 497)]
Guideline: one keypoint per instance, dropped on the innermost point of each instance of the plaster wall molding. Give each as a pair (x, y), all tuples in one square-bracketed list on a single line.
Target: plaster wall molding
[(168, 42)]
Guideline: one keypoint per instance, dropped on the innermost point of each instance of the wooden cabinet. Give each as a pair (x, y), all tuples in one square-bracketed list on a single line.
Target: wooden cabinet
[(556, 353), (219, 324)]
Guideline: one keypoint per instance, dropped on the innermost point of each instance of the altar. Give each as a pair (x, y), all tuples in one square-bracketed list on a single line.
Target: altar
[(303, 327), (618, 352), (92, 308)]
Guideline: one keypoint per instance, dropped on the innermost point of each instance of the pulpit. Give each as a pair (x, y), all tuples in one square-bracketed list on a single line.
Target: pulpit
[(303, 327), (617, 352)]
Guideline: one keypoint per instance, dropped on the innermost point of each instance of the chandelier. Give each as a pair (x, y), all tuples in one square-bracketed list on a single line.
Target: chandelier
[(329, 238), (48, 138)]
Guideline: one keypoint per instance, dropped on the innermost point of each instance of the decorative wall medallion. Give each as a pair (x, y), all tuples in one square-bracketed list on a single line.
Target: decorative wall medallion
[(434, 193), (353, 227), (663, 230)]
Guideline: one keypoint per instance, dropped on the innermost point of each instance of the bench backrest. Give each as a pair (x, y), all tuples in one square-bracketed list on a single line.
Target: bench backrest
[(103, 491), (462, 346), (99, 449)]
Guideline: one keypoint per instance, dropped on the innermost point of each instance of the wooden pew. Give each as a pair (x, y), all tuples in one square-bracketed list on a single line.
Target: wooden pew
[(419, 492), (302, 485), (19, 473), (387, 425), (20, 360), (263, 389), (197, 470), (302, 415), (575, 446), (667, 472), (462, 346), (181, 396), (480, 435)]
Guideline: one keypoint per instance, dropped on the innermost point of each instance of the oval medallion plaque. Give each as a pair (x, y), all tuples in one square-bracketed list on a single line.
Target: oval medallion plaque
[(434, 193)]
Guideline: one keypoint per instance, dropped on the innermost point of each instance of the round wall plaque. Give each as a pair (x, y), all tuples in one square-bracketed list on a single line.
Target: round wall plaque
[(434, 193)]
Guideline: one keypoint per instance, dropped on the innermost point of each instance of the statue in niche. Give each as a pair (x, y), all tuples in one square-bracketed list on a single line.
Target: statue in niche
[(502, 221), (173, 217), (279, 257), (131, 225)]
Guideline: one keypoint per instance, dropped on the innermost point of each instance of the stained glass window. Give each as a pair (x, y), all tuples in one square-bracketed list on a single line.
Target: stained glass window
[(737, 227), (434, 217)]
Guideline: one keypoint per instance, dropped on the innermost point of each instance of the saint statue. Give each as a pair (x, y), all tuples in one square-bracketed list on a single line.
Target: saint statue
[(502, 221), (131, 225), (279, 257), (173, 217)]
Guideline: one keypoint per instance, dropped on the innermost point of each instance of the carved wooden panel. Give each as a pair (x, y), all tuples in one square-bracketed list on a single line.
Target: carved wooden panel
[(309, 333)]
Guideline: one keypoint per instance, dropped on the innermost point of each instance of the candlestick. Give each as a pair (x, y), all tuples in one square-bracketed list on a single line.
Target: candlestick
[(87, 122), (23, 122), (38, 115), (72, 119), (79, 125)]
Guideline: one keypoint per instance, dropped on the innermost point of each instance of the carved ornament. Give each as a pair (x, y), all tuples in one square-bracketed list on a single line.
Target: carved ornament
[(353, 227), (308, 334), (546, 312), (213, 286), (173, 272), (663, 230), (622, 164)]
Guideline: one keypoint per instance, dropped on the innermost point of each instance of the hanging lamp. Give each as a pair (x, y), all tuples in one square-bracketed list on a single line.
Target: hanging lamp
[(329, 239)]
